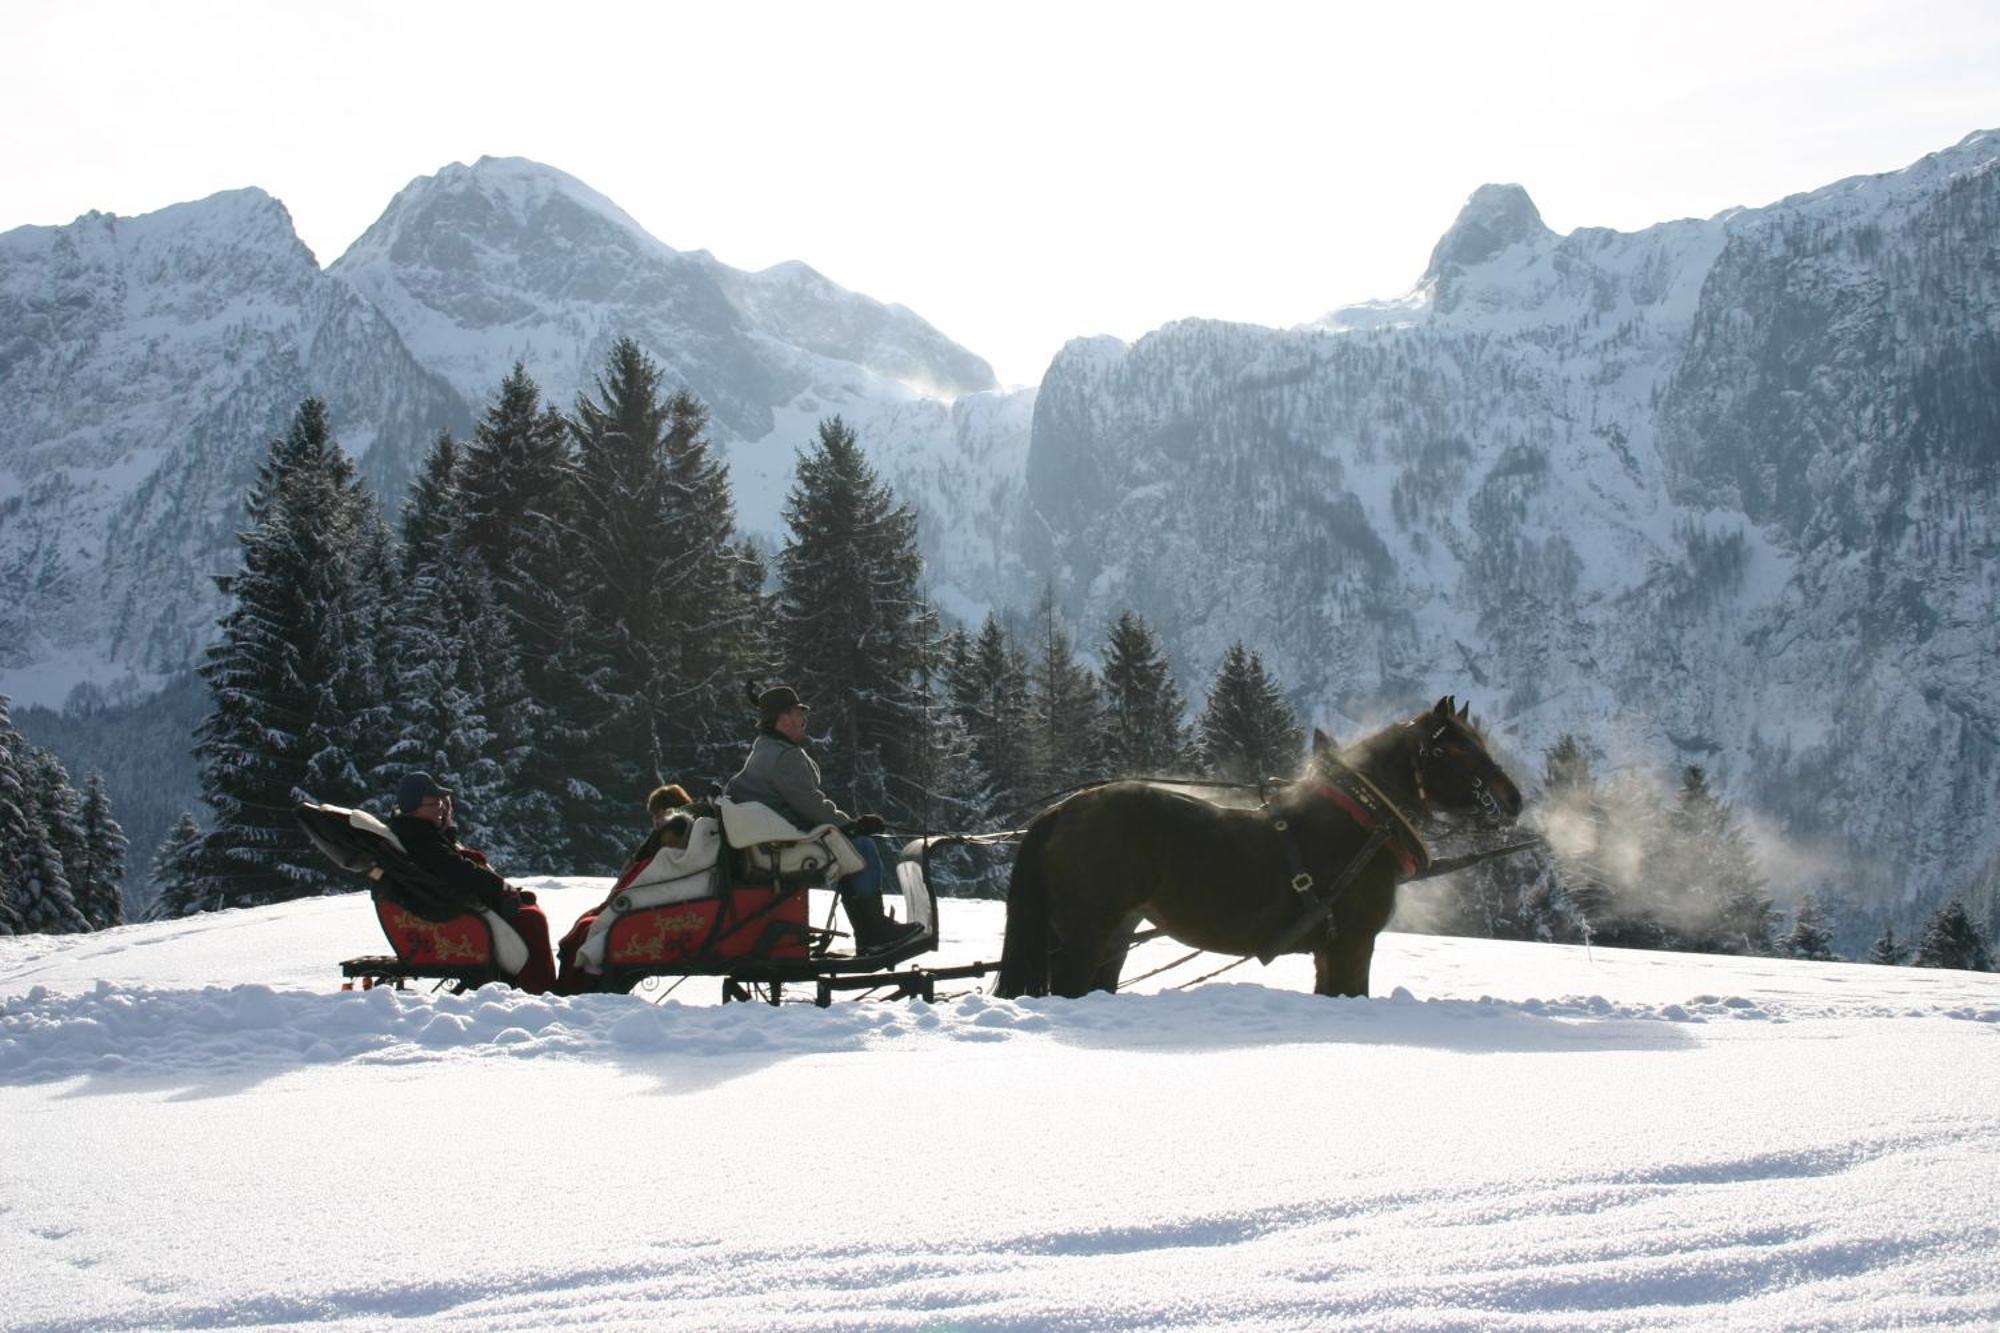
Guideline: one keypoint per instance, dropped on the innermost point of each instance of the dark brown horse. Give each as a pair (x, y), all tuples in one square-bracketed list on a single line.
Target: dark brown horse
[(1243, 881)]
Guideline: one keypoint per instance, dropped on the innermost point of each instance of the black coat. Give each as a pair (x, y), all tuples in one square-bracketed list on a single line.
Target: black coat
[(463, 871)]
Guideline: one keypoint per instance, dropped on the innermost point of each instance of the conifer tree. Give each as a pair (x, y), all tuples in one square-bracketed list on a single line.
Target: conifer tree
[(1566, 900), (1145, 731), (42, 896), (1645, 904), (518, 518), (1888, 951), (988, 680), (952, 792), (1810, 939), (672, 620), (434, 510), (1066, 704), (1952, 940), (851, 626), (59, 806), (620, 442), (99, 879), (715, 616), (180, 886), (297, 698), (456, 681), (20, 830), (1722, 905), (1247, 731)]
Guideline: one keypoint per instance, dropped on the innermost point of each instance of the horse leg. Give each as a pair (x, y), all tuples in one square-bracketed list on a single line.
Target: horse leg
[(1340, 964), (1076, 964), (1116, 946)]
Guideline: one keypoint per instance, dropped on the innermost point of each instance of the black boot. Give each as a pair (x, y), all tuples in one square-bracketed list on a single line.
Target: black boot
[(874, 932)]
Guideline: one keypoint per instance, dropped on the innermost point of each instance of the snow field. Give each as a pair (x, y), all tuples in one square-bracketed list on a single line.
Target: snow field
[(1506, 1136)]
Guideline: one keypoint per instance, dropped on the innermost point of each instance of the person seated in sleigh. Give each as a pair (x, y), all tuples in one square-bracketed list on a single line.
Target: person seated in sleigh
[(672, 813), (423, 824), (779, 773), (671, 810)]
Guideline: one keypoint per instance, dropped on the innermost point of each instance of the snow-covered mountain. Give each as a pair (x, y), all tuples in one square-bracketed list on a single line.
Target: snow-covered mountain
[(146, 362), (1718, 491), (144, 365), (508, 260)]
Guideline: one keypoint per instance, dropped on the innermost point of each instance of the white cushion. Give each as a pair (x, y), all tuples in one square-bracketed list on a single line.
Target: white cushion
[(761, 833), (674, 875)]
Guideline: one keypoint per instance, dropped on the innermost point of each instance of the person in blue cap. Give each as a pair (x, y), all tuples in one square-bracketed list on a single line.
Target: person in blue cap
[(422, 823)]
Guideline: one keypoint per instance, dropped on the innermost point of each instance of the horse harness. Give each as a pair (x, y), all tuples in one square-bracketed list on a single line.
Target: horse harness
[(1363, 803)]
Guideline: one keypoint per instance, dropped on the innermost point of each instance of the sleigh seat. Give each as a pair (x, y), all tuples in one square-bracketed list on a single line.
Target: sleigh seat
[(431, 941)]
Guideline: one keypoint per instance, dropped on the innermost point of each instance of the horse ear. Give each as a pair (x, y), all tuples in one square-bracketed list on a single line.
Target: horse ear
[(1465, 713), (1320, 742), (1445, 706)]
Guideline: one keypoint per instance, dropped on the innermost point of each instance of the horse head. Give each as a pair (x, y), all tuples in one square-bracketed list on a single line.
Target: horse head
[(1454, 770), (1438, 761)]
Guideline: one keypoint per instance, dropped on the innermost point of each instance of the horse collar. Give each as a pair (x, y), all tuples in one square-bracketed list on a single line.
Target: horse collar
[(1363, 802)]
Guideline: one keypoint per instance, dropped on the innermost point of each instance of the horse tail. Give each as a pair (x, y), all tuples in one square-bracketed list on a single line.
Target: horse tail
[(1024, 952)]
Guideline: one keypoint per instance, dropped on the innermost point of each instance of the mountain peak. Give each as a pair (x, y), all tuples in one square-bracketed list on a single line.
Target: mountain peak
[(494, 198), (1495, 217)]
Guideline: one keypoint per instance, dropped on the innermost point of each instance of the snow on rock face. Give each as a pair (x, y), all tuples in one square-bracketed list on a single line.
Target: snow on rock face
[(1718, 491), (508, 260), (1494, 218), (145, 364)]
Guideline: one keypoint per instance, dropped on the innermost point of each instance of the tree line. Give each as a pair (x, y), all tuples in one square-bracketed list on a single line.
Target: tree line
[(62, 854), (564, 616)]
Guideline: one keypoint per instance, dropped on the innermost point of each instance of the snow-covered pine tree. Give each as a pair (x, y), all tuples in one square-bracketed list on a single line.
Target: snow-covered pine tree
[(293, 678), (988, 679), (715, 619), (42, 894), (1572, 893), (99, 882), (1809, 938), (454, 663), (1247, 731), (1066, 704), (952, 792), (668, 630), (351, 733), (851, 627), (1145, 728), (16, 807), (59, 806), (517, 484), (180, 885), (1952, 940), (1888, 951), (1720, 905), (33, 790)]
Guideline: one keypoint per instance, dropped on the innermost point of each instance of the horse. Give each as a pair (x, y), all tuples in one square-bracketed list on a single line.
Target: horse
[(1245, 881)]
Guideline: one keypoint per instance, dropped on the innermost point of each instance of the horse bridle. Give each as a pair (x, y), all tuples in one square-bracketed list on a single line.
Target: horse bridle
[(1427, 746)]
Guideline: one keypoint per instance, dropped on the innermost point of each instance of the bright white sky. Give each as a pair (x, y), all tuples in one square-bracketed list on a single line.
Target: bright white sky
[(1017, 173)]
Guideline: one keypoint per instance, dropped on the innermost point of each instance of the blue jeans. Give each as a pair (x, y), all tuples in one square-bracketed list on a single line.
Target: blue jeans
[(867, 881)]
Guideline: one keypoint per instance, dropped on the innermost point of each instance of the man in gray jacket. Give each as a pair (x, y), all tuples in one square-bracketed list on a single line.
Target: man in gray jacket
[(779, 773)]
